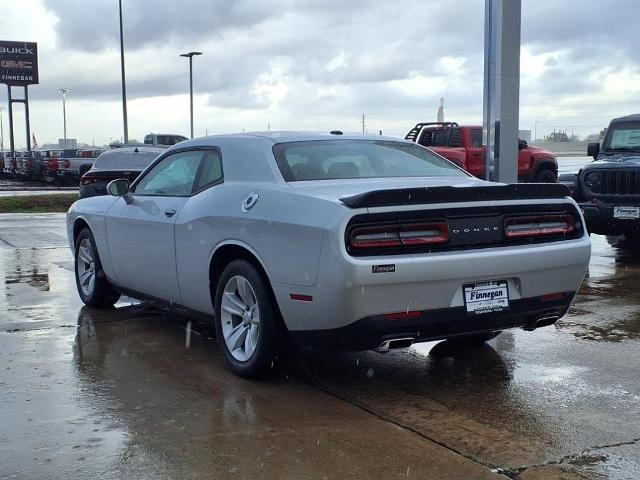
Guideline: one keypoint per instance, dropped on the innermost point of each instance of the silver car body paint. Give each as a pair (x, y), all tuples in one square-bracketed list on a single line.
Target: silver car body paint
[(296, 231)]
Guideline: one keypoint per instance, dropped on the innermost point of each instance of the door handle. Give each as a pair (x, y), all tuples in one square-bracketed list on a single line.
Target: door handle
[(170, 212), (477, 154)]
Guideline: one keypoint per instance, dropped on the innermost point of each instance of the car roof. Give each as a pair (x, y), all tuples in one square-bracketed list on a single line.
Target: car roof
[(284, 137), (115, 151), (635, 117)]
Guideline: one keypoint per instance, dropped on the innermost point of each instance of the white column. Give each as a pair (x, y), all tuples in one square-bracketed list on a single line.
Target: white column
[(501, 88)]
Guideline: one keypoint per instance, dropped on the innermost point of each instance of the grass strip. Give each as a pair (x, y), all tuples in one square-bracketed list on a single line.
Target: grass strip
[(37, 203)]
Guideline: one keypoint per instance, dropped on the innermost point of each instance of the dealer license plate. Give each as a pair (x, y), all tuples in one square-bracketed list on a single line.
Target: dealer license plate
[(486, 297), (626, 212)]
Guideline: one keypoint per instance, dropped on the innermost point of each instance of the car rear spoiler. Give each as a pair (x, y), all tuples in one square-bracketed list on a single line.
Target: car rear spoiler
[(416, 196)]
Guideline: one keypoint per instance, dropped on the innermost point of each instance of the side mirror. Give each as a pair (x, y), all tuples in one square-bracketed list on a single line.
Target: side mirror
[(118, 188), (522, 144), (593, 149)]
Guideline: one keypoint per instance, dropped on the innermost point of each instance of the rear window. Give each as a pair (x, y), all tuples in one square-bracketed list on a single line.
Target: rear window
[(124, 160), (338, 159)]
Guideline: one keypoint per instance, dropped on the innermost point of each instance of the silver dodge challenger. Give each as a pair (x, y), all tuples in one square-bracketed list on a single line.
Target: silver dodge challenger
[(341, 241)]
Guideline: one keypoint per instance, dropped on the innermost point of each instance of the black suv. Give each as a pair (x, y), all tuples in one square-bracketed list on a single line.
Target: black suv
[(608, 189)]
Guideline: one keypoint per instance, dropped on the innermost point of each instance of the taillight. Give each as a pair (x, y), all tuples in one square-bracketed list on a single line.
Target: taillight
[(403, 315), (539, 226), (399, 235), (87, 179)]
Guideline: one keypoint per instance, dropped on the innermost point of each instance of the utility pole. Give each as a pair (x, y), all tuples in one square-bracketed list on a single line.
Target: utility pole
[(363, 123), (124, 88), (64, 92)]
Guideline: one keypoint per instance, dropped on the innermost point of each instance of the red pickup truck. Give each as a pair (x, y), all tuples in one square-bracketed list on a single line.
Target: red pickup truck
[(463, 146)]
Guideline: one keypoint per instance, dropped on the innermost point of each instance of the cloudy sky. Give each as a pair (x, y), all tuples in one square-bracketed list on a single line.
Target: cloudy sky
[(316, 64)]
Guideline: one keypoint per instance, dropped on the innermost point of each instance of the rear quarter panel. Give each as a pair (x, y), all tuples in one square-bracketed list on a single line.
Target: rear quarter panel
[(284, 230)]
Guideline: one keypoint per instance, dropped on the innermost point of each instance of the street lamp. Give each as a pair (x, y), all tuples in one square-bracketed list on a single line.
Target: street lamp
[(64, 92), (190, 56), (124, 86)]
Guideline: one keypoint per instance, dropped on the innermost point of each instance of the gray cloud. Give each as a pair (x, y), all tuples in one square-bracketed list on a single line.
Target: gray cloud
[(335, 59)]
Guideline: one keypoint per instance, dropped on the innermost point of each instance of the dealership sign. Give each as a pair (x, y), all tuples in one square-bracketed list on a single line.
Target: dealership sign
[(18, 63)]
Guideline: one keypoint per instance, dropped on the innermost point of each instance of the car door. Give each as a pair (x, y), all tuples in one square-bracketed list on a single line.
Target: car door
[(141, 226)]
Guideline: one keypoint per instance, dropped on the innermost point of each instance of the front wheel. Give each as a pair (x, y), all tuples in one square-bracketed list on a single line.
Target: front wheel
[(246, 326), (546, 175), (93, 287)]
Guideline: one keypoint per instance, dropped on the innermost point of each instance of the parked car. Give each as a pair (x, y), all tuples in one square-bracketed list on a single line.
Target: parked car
[(50, 166), (118, 163), (163, 139), (608, 189), (353, 242), (87, 158), (10, 163), (463, 146), (30, 166), (68, 166)]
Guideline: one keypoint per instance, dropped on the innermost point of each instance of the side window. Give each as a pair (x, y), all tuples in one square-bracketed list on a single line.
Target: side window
[(210, 171), (476, 137), (455, 137), (425, 138), (174, 175), (440, 138)]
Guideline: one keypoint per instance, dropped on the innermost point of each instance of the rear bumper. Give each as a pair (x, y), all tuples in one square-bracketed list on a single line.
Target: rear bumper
[(347, 290), (599, 218), (369, 332)]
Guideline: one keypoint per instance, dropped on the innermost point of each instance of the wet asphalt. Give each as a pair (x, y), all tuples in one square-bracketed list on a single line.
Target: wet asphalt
[(136, 392)]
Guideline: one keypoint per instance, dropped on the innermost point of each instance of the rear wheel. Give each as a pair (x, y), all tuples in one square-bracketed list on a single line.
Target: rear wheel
[(546, 175), (476, 339), (93, 287), (246, 326)]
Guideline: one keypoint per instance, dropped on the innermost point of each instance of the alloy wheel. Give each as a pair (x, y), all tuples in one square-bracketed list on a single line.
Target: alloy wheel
[(240, 318), (86, 267)]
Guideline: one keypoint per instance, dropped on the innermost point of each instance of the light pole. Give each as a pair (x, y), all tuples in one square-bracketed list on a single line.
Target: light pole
[(124, 88), (1, 131), (190, 56), (64, 92)]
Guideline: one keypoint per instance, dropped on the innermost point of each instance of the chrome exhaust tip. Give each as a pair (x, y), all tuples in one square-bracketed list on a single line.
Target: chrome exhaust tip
[(543, 321), (394, 343)]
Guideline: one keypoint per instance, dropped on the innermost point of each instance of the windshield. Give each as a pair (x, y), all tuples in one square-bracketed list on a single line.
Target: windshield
[(623, 136), (342, 159)]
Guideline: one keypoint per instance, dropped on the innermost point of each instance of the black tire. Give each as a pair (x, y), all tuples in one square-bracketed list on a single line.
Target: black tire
[(476, 339), (265, 350), (546, 175), (102, 294)]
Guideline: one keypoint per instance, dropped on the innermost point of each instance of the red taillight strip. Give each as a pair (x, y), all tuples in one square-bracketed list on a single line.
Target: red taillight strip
[(403, 315), (397, 235), (550, 297), (300, 297), (538, 226)]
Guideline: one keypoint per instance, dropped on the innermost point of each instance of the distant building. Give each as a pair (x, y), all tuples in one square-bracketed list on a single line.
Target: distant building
[(524, 135), (71, 143)]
